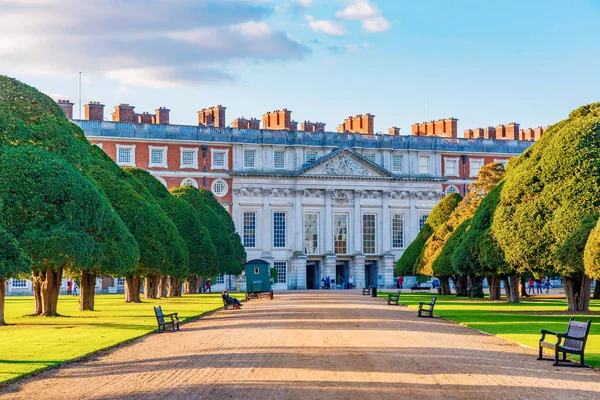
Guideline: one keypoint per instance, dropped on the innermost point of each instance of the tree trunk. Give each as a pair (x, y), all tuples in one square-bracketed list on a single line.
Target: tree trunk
[(162, 287), (597, 290), (151, 287), (445, 285), (2, 289), (49, 289), (37, 294), (513, 296), (177, 285), (577, 289), (475, 284), (462, 286), (132, 289), (192, 284), (523, 285), (494, 286), (87, 288)]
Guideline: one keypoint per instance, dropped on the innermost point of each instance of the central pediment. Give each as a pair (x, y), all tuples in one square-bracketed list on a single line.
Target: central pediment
[(345, 163)]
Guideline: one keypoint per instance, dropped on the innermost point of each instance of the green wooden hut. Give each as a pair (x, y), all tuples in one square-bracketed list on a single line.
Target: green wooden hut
[(258, 276)]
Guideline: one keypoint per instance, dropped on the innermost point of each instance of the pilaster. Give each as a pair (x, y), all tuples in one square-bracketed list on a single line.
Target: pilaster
[(386, 270), (329, 263), (328, 224), (357, 224), (359, 270), (298, 272)]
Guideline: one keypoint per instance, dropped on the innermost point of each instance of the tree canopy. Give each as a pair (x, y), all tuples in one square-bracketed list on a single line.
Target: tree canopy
[(439, 215), (201, 250)]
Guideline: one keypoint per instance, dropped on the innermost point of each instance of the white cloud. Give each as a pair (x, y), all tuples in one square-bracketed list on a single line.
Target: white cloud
[(370, 16), (305, 3), (154, 43), (325, 26)]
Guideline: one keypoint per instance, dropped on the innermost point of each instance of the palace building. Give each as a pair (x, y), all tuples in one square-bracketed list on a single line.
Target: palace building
[(312, 203)]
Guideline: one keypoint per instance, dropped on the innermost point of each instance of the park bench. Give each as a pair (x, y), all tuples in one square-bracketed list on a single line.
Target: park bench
[(574, 342), (426, 308), (415, 287), (260, 295), (394, 298), (229, 303), (366, 291), (160, 319)]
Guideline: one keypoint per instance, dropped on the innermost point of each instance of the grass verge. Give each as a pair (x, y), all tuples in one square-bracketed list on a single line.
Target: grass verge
[(520, 322), (29, 344)]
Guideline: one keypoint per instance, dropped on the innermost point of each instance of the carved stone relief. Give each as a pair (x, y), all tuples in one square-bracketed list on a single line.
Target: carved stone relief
[(342, 165)]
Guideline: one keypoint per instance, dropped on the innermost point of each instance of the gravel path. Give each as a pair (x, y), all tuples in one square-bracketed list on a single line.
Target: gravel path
[(314, 345)]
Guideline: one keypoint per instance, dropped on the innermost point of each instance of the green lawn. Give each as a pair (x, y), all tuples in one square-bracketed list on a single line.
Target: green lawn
[(32, 343), (501, 319)]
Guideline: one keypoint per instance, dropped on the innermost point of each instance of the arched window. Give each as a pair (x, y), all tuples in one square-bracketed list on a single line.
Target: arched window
[(219, 187), (451, 189), (162, 180), (189, 182)]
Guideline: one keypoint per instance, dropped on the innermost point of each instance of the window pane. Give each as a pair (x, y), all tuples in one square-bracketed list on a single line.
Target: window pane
[(218, 159), (311, 233), (451, 189), (340, 232), (249, 229), (369, 233), (249, 156), (311, 157), (279, 229), (423, 165), (187, 157), (422, 220), (451, 167), (397, 231), (397, 163), (124, 156), (279, 159), (281, 267), (19, 283), (370, 157), (475, 166), (156, 156), (220, 279)]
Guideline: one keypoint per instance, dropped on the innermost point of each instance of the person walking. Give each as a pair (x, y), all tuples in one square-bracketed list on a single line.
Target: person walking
[(547, 286), (69, 287), (350, 282), (323, 283), (400, 282), (328, 282), (74, 290), (538, 286), (208, 286), (531, 287)]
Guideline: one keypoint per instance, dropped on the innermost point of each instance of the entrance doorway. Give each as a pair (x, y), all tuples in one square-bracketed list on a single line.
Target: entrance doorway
[(341, 274), (313, 281), (371, 273)]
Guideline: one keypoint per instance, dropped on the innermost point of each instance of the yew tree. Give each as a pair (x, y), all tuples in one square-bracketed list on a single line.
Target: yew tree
[(201, 250), (162, 251), (59, 218), (439, 215), (550, 191)]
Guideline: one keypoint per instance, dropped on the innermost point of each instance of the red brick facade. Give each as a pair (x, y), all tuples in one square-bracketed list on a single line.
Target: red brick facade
[(461, 169)]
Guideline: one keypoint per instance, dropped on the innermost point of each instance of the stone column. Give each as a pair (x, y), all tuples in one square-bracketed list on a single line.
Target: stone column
[(386, 269), (357, 224), (298, 222), (328, 223), (358, 271), (385, 222), (299, 272), (329, 263), (267, 225)]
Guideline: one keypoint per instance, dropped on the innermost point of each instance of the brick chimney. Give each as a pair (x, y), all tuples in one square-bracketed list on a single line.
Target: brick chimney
[(394, 131), (67, 107), (364, 124), (278, 120), (319, 126), (307, 126), (240, 123), (161, 116), (489, 132), (144, 118), (124, 113), (94, 111), (507, 132), (254, 123), (212, 116), (451, 127), (538, 132)]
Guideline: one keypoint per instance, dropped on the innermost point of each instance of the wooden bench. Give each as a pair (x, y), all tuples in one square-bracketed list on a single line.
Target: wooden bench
[(366, 291), (574, 342), (160, 319), (415, 287), (426, 308), (229, 303), (394, 298)]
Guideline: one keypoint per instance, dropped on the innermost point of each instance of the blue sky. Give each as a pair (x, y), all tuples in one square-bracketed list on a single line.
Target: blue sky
[(483, 62)]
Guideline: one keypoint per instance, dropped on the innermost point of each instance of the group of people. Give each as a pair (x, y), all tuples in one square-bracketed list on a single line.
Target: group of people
[(326, 282), (536, 286), (72, 289)]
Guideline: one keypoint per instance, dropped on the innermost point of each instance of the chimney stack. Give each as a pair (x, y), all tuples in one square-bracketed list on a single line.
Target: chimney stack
[(161, 116), (394, 131), (94, 111), (124, 113), (362, 123), (279, 120), (67, 107), (144, 118), (212, 116)]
